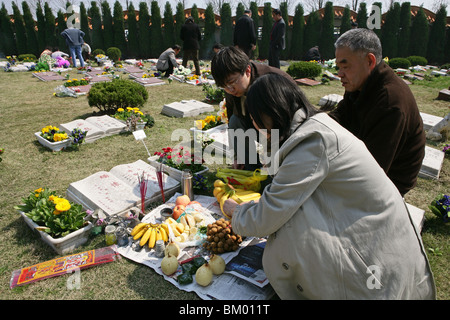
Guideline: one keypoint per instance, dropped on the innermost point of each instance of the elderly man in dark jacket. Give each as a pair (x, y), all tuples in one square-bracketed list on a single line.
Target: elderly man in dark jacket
[(379, 108), (244, 36), (232, 69), (190, 34)]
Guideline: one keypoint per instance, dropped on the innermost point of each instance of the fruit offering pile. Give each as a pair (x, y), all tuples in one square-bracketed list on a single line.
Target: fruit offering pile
[(221, 238)]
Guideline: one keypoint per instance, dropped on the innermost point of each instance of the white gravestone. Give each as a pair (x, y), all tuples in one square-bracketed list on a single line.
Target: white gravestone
[(186, 108), (432, 163)]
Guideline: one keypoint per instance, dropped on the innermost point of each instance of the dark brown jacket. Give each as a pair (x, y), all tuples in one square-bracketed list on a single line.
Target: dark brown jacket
[(233, 104), (384, 115)]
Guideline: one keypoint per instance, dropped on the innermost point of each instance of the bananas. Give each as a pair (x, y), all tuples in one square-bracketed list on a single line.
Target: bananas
[(223, 191), (149, 233)]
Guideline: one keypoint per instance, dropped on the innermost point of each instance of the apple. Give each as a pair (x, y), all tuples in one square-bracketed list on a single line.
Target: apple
[(182, 200), (178, 211)]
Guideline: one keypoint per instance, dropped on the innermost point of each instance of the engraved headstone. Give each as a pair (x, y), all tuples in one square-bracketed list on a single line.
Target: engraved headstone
[(186, 108), (307, 82), (146, 82), (429, 120), (432, 163)]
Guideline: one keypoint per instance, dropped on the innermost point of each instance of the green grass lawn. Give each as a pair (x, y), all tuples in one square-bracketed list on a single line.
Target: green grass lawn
[(27, 104)]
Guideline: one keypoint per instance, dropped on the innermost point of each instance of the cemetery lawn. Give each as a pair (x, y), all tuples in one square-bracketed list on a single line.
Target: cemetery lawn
[(27, 105)]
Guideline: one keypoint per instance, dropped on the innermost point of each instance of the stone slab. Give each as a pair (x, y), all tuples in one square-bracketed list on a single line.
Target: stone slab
[(432, 163), (429, 120), (147, 82), (330, 100), (48, 76), (186, 108), (444, 94), (95, 79), (80, 90), (132, 69), (417, 216), (307, 82)]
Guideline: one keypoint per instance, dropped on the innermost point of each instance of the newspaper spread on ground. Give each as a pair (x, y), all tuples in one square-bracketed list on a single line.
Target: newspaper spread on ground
[(243, 279)]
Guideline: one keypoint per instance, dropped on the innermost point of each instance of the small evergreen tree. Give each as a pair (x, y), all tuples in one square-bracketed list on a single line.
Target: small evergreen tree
[(436, 43), (144, 30), (194, 13), (50, 25), (19, 27), (266, 29), (210, 31), (255, 18), (7, 33), (326, 41), (42, 42), (298, 29), (239, 11), (84, 23), (107, 20), (169, 27), (447, 46), (226, 25), (286, 53), (119, 29), (345, 22), (404, 30), (30, 25), (97, 34), (389, 31), (133, 42), (179, 20), (361, 17), (312, 31), (62, 25), (156, 44), (419, 35)]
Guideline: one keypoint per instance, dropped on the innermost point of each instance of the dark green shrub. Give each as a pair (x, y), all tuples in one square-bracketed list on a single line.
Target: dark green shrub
[(97, 52), (417, 60), (445, 66), (403, 63), (114, 53), (119, 93), (27, 57), (304, 69)]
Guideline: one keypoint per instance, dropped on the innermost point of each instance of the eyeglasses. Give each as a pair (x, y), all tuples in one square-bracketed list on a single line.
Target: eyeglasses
[(231, 84)]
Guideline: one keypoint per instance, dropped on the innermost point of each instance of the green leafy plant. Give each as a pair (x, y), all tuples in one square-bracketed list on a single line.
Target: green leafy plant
[(180, 159), (213, 93), (55, 215), (417, 60), (53, 134), (76, 82), (119, 93), (304, 69)]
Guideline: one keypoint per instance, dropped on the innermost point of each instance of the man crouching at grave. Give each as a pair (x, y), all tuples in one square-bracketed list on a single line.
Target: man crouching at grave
[(379, 108), (233, 71)]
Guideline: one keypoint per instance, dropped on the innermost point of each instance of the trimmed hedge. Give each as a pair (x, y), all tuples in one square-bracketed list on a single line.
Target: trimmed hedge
[(119, 93), (403, 63), (114, 53), (304, 69), (417, 60)]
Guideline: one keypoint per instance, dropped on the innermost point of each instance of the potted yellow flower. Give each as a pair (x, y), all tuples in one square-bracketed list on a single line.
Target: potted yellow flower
[(60, 223), (53, 138)]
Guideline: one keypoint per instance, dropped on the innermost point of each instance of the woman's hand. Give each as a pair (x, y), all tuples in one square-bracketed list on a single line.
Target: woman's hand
[(229, 206)]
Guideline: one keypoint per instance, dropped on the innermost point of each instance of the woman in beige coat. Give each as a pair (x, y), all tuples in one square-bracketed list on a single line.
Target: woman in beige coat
[(337, 226)]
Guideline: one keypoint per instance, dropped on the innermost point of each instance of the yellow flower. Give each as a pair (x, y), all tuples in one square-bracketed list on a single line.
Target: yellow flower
[(129, 109), (200, 124), (135, 109), (39, 190), (52, 198), (56, 212), (60, 136), (62, 205), (120, 110)]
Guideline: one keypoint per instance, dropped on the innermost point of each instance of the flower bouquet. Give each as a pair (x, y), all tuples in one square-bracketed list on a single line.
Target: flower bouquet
[(60, 222), (223, 111), (175, 160), (213, 93), (2, 150), (77, 136), (208, 123), (51, 137), (440, 206), (446, 149)]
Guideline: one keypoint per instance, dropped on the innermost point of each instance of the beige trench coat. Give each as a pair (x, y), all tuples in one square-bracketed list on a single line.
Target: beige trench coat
[(338, 227)]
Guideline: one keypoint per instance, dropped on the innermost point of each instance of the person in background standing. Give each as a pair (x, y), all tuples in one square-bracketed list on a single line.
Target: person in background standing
[(190, 35), (277, 39), (244, 36), (74, 40)]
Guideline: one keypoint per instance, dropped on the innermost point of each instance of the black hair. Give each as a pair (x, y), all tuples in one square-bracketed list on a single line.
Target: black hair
[(227, 61), (277, 11), (176, 47), (279, 99)]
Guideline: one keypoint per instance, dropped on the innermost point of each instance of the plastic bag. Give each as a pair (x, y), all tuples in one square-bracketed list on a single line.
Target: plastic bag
[(242, 179)]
